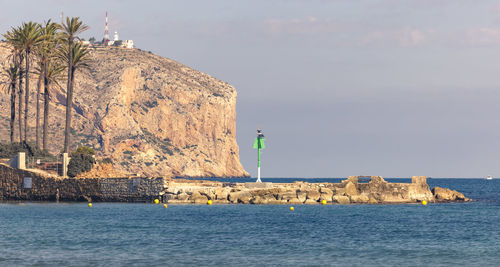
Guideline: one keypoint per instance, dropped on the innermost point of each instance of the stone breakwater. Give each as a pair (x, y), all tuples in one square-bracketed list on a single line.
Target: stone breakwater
[(28, 185), (351, 190)]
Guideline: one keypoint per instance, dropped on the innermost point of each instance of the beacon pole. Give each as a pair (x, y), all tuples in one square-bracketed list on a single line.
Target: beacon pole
[(259, 144)]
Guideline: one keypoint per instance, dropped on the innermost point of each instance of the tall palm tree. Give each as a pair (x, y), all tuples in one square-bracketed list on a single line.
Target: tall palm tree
[(37, 118), (29, 38), (11, 73), (13, 37), (70, 30), (45, 52), (52, 72)]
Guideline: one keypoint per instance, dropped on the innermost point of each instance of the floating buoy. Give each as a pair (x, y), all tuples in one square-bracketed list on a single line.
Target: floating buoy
[(323, 202), (291, 208), (424, 202), (209, 202), (156, 201), (165, 205), (90, 205)]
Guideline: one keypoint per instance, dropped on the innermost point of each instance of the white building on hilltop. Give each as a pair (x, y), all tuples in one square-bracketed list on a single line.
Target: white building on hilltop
[(128, 44), (119, 43)]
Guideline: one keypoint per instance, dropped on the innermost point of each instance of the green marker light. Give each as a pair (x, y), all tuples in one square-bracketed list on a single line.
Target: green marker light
[(259, 144)]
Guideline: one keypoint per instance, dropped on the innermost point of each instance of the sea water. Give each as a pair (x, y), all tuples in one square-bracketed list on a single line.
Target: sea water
[(119, 234)]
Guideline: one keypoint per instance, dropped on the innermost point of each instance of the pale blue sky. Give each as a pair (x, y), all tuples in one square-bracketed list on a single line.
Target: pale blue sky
[(389, 87)]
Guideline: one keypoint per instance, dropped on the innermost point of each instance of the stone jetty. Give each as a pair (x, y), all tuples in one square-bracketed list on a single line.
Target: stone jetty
[(373, 191), (16, 184)]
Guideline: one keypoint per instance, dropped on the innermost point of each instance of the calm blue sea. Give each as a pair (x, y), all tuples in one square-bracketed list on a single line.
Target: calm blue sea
[(108, 234)]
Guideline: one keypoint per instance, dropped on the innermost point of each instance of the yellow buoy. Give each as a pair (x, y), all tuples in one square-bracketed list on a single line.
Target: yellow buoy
[(323, 202), (291, 208), (424, 202), (90, 205), (209, 202), (156, 201), (165, 205)]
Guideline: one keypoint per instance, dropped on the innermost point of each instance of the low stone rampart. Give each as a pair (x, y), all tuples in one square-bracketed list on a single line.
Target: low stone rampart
[(16, 184)]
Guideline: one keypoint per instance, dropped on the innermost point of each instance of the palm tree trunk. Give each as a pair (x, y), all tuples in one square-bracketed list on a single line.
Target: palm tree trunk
[(12, 109), (37, 129), (45, 111), (27, 94), (69, 97), (20, 107)]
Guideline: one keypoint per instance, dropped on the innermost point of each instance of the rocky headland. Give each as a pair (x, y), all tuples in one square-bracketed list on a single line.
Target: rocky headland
[(150, 115)]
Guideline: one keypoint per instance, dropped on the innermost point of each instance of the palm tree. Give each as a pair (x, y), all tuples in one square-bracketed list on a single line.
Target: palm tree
[(11, 74), (37, 118), (52, 72), (70, 29), (13, 37), (29, 38), (44, 53)]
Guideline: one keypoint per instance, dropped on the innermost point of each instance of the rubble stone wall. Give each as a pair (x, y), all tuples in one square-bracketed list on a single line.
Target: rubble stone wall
[(14, 185)]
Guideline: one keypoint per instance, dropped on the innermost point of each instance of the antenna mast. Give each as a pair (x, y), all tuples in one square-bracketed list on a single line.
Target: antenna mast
[(106, 31)]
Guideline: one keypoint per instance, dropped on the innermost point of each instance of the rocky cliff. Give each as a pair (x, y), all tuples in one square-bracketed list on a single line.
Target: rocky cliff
[(149, 114)]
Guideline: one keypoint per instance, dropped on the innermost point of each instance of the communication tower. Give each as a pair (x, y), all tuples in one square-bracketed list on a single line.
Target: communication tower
[(106, 31)]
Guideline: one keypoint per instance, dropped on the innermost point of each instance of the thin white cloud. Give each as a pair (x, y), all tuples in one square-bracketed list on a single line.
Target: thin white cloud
[(482, 36), (406, 37), (300, 26)]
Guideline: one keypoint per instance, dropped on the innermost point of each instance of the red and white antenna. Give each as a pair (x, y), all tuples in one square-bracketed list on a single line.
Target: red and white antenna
[(106, 32)]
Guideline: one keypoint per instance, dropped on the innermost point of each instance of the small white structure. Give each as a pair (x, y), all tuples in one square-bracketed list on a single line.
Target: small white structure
[(115, 37), (128, 44)]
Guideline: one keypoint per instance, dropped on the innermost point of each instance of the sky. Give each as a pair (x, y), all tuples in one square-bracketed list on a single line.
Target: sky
[(394, 88)]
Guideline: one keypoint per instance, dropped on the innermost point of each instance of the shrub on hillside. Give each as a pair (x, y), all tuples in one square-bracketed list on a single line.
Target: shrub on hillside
[(10, 150), (82, 160)]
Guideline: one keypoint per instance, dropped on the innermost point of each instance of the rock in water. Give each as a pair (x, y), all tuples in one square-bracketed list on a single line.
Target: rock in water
[(445, 194), (149, 114)]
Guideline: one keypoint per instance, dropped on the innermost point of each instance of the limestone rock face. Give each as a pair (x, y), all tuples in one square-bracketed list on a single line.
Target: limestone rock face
[(149, 114)]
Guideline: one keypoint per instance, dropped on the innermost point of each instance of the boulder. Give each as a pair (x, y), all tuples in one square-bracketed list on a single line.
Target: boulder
[(210, 194), (240, 197), (445, 194), (350, 189), (341, 199), (324, 190), (295, 201), (361, 198), (314, 195), (183, 196), (340, 191), (198, 198), (310, 201), (221, 193), (302, 196), (286, 195)]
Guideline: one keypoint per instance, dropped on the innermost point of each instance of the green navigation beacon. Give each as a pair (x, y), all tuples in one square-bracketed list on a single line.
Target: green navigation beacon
[(259, 144)]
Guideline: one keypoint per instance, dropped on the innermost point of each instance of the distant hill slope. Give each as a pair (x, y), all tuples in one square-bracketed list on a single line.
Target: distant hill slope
[(150, 114)]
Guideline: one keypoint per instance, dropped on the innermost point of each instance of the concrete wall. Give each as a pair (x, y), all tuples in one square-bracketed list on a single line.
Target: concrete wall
[(13, 185)]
